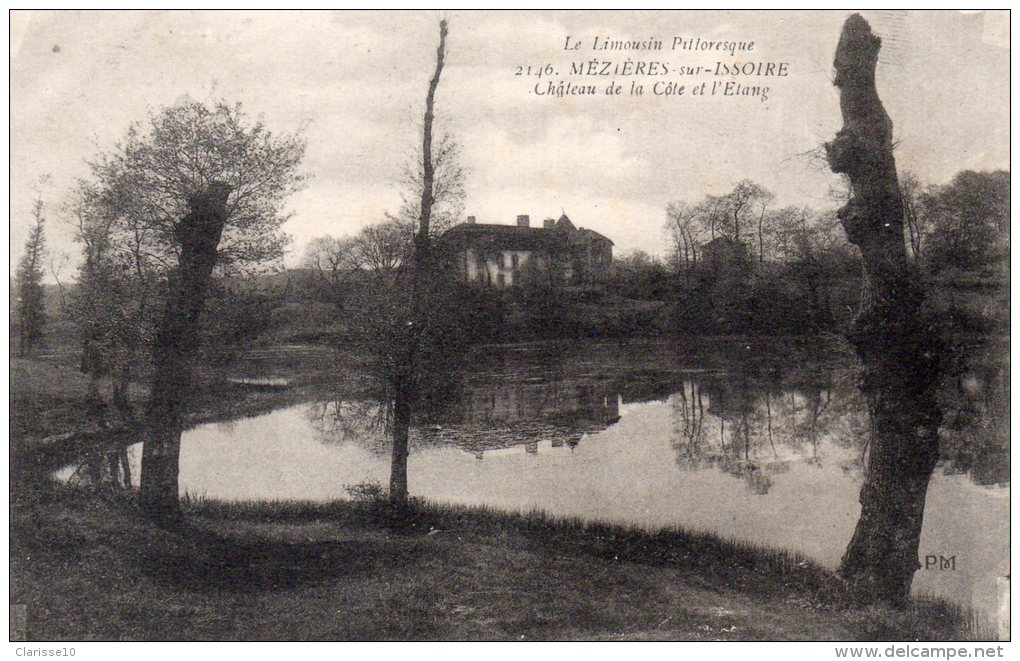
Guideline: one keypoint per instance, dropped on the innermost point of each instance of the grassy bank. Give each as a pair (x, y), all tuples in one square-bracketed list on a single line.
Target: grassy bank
[(89, 567)]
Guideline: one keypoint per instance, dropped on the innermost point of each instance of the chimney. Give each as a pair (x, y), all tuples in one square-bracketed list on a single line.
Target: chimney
[(470, 220), (549, 223), (523, 221)]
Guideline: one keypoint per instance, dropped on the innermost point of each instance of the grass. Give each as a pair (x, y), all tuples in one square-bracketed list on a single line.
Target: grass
[(88, 566)]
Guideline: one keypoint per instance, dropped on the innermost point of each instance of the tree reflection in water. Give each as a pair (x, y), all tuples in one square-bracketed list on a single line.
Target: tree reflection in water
[(103, 468), (766, 418), (753, 420), (367, 422), (975, 426)]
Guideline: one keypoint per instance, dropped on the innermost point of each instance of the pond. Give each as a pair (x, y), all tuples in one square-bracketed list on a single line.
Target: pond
[(762, 444)]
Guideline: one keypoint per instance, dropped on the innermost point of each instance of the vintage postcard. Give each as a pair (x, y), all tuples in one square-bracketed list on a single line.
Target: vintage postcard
[(513, 326)]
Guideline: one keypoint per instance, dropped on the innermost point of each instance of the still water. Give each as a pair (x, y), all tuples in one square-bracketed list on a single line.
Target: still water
[(737, 441)]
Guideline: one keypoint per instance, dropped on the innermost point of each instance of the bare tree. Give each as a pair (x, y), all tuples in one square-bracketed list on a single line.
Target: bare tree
[(719, 216), (740, 204), (330, 259), (812, 245), (913, 216), (420, 268), (713, 214), (685, 234), (762, 201), (447, 177), (900, 353), (382, 248), (739, 200)]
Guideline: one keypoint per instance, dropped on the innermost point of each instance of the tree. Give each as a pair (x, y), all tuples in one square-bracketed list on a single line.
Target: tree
[(329, 257), (815, 257), (640, 276), (898, 347), (410, 314), (331, 260), (738, 201), (383, 247), (741, 203), (406, 373), (683, 229), (913, 214), (31, 304), (196, 189), (114, 302), (714, 216), (447, 183), (968, 220), (729, 215), (762, 200), (176, 345)]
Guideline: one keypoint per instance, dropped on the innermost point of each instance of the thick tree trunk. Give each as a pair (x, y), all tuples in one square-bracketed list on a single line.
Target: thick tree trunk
[(175, 347), (421, 266), (899, 351)]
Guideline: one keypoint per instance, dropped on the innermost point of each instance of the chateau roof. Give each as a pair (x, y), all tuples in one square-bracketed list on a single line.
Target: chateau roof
[(512, 237)]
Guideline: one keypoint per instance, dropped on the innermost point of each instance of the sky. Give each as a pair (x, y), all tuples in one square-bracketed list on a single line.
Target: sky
[(356, 81)]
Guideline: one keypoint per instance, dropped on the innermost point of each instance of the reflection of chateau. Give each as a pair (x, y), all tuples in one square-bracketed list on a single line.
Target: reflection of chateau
[(575, 403), (492, 415), (753, 424)]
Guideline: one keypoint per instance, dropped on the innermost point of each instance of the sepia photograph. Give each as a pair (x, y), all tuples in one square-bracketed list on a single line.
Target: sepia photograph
[(530, 325)]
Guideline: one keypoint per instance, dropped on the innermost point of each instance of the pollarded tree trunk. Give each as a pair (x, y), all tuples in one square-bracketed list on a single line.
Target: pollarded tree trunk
[(899, 350), (175, 347)]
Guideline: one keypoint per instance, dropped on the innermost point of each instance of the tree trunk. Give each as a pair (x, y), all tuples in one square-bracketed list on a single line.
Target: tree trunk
[(401, 430), (125, 467), (899, 351), (421, 264), (119, 398), (175, 347), (92, 396), (113, 461), (761, 237)]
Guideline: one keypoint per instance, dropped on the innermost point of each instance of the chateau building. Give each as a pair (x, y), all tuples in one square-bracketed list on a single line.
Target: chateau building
[(504, 255)]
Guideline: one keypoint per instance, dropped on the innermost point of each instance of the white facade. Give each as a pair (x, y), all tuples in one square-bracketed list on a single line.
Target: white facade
[(497, 269)]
